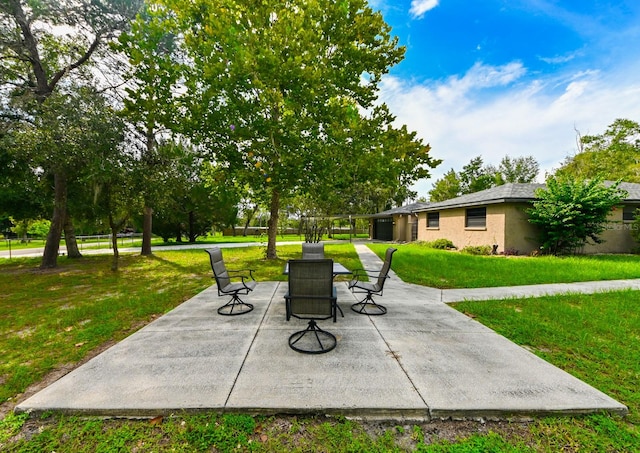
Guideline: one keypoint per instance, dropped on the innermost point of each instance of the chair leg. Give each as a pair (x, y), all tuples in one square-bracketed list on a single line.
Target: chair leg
[(326, 341), (367, 306), (234, 307)]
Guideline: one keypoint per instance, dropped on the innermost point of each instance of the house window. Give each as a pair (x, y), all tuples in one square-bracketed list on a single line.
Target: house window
[(476, 218), (433, 220), (629, 213)]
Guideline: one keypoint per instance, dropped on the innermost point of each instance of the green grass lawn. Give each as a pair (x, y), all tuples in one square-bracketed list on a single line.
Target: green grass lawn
[(127, 242), (52, 318), (443, 269)]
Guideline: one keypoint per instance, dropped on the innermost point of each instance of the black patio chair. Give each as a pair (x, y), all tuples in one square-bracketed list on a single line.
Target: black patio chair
[(312, 251), (311, 296), (227, 287), (368, 306)]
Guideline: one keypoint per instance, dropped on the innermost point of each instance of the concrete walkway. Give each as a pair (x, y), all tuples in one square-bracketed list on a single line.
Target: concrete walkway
[(422, 360)]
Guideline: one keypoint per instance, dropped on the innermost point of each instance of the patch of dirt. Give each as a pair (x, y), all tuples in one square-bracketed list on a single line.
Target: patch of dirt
[(404, 434), (449, 430)]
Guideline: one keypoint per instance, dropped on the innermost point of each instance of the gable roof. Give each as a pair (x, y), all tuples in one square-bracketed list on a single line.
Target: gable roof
[(514, 193)]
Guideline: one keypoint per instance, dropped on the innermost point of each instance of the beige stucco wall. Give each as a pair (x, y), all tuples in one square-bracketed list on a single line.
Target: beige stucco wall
[(520, 234), (452, 228), (402, 224), (508, 226), (617, 237)]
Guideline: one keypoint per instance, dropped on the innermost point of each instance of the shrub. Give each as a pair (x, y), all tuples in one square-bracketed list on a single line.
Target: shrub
[(442, 244), (571, 211), (477, 250), (635, 227)]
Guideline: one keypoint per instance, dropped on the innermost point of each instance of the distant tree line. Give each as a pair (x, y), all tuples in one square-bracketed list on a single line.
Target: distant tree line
[(475, 176)]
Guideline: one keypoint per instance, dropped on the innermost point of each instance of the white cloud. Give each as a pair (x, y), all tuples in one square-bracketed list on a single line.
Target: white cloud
[(559, 59), (420, 7), (495, 111)]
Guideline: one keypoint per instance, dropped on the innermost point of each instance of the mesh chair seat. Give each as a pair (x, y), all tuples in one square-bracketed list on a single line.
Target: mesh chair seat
[(226, 286), (311, 296), (368, 306)]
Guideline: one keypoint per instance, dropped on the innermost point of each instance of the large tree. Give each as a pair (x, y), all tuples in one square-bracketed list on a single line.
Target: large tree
[(517, 170), (72, 138), (269, 82), (375, 166), (612, 155), (43, 44), (151, 104), (446, 187)]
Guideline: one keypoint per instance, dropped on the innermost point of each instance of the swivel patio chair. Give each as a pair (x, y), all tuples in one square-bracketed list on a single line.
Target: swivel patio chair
[(226, 287), (311, 296), (368, 306), (312, 251)]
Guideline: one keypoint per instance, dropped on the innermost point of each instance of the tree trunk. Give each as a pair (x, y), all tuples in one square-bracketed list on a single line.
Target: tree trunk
[(146, 231), (70, 238), (52, 246), (250, 214), (192, 227), (114, 243), (273, 225)]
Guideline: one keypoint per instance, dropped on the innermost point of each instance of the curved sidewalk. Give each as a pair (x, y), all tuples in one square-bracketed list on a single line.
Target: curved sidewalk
[(422, 360)]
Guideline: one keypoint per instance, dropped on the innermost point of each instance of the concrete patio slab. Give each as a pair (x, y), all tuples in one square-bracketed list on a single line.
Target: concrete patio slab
[(422, 360)]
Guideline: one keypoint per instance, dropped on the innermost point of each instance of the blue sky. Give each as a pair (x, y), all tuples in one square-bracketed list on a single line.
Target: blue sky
[(511, 77)]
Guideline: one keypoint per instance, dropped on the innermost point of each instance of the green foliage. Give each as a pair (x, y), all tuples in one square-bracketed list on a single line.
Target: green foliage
[(570, 212), (635, 226), (269, 97), (446, 188), (613, 155), (477, 250), (518, 170), (10, 425), (441, 244), (475, 176), (39, 228)]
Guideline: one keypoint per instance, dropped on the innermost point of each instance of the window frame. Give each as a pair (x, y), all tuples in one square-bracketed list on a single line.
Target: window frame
[(433, 220), (475, 218), (628, 212)]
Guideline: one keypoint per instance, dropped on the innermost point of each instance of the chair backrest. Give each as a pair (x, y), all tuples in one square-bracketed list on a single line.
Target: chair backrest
[(312, 251), (311, 288), (219, 269), (386, 267)]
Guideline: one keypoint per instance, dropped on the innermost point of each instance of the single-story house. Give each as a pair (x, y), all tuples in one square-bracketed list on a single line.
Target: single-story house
[(498, 216), (397, 224)]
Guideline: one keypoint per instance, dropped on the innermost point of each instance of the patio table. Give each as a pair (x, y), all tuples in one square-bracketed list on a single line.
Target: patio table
[(338, 269)]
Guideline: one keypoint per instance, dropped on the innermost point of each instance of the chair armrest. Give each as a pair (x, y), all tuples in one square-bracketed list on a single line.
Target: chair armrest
[(242, 273), (369, 273)]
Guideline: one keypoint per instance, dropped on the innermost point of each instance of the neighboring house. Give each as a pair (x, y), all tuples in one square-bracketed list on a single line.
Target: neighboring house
[(498, 216)]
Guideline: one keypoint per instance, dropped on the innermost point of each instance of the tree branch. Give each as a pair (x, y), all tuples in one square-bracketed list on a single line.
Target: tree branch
[(83, 59)]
